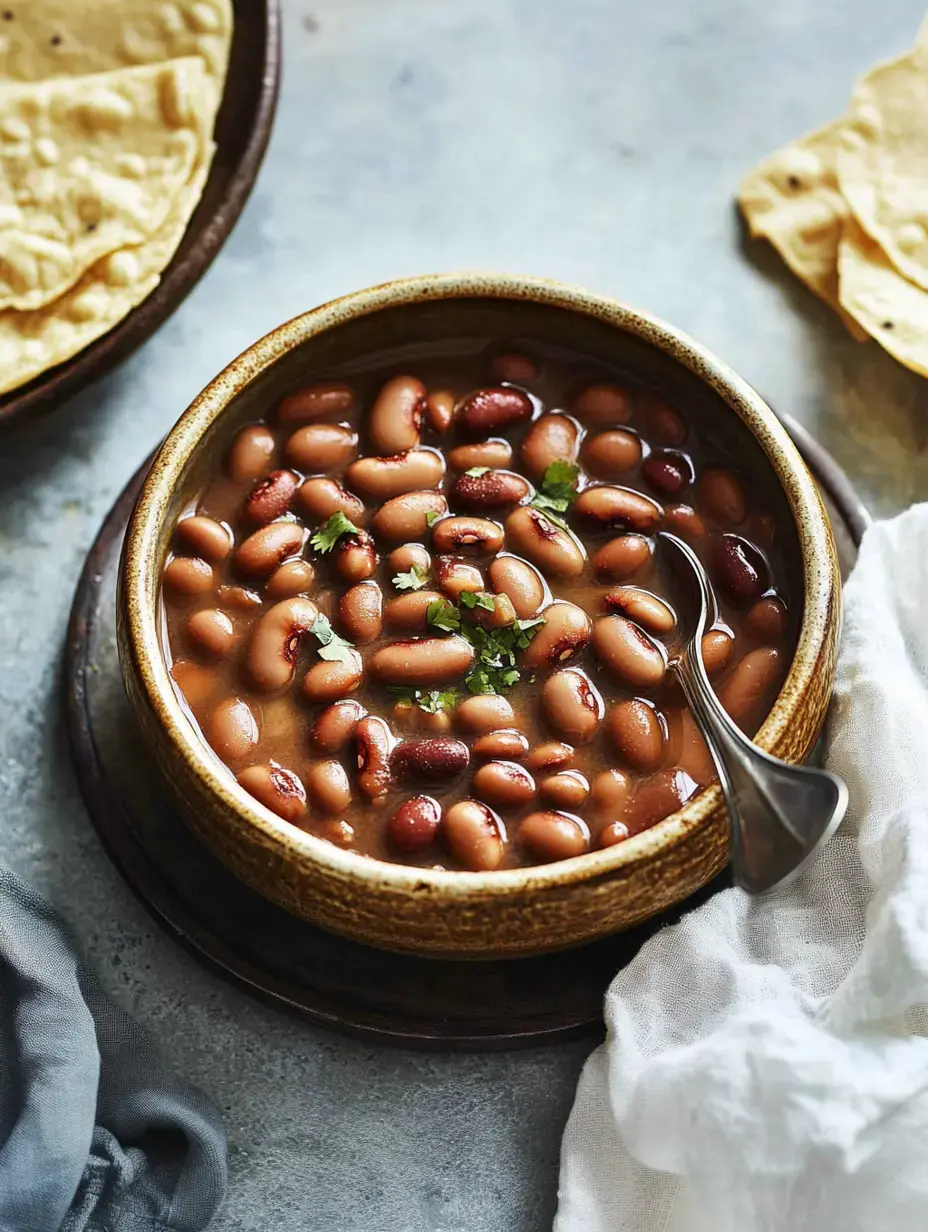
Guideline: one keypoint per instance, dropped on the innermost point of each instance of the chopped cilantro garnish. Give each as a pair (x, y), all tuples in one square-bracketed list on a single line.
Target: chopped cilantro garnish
[(415, 579), (326, 537), (432, 702), (431, 518), (558, 490), (441, 614), (477, 471), (332, 646), (494, 668)]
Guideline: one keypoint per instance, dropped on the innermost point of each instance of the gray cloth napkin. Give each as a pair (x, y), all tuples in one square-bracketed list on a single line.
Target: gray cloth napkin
[(96, 1134)]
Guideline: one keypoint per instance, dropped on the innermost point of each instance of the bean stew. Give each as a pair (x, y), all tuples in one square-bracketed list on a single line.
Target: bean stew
[(418, 613)]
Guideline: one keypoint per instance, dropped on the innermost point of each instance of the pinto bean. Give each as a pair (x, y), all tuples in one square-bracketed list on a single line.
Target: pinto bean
[(520, 581), (615, 832), (430, 761), (637, 734), (687, 749), (684, 521), (475, 835), (455, 576), (238, 598), (396, 417), (373, 746), (401, 560), (505, 743), (491, 490), (572, 704), (556, 552), (552, 755), (406, 516), (409, 612), (609, 793), (657, 797), (514, 367), (501, 616), (766, 621), (211, 632), (761, 529), (277, 788), (380, 478), (338, 832), (414, 824), (566, 790), (493, 409), (495, 453), (328, 787), (738, 568), (422, 661), (642, 607), (716, 646), (267, 547), (231, 729), (458, 534), (668, 471), (252, 453), (186, 576), (602, 405), (321, 447), (554, 835), (439, 410), (622, 557), (408, 714), (320, 497), (275, 642), (484, 713), (316, 402), (749, 685), (606, 505), (205, 537), (336, 725), (665, 426), (355, 557), (504, 785), (628, 652), (722, 496), (195, 681), (566, 631), (271, 498), (551, 438), (293, 577), (328, 680), (608, 455), (360, 612)]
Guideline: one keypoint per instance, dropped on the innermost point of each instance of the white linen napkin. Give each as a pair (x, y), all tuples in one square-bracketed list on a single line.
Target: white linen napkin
[(766, 1066)]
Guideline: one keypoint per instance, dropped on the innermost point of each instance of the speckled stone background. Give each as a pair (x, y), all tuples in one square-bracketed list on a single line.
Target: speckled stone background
[(598, 141)]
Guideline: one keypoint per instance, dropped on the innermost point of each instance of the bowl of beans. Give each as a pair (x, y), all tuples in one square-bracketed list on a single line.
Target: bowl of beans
[(395, 630)]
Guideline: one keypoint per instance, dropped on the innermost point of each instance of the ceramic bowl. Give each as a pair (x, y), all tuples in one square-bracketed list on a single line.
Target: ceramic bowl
[(513, 912)]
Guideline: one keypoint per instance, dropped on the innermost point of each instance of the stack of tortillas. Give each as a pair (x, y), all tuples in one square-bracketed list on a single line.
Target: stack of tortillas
[(847, 208), (107, 110)]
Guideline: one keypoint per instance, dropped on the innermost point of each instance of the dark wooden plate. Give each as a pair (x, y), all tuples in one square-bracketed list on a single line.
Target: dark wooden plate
[(243, 127), (329, 981)]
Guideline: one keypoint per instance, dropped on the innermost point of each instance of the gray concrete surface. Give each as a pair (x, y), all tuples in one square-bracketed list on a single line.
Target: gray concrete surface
[(598, 141)]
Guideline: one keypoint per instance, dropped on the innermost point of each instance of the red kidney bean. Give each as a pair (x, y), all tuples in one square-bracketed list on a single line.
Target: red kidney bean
[(414, 824), (684, 521), (665, 426), (475, 835), (328, 787), (439, 410), (211, 631), (520, 581), (336, 725), (565, 633), (609, 793), (628, 652), (186, 576), (491, 490), (668, 471), (555, 552), (271, 498), (622, 557), (642, 607), (611, 506), (294, 577), (716, 647), (275, 642), (749, 683), (409, 612), (277, 788), (602, 404), (505, 743), (406, 516), (565, 790), (373, 745), (551, 438), (554, 835), (493, 409), (231, 729), (355, 557), (504, 785), (484, 713), (738, 568), (252, 453), (205, 537), (609, 455), (572, 704), (396, 416), (422, 661), (455, 576), (552, 755), (637, 734), (495, 453), (267, 547), (514, 367), (722, 496), (429, 761), (316, 402), (766, 621), (321, 447), (657, 797), (457, 534), (320, 497)]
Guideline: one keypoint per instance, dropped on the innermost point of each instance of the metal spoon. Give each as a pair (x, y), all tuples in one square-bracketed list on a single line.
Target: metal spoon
[(780, 814)]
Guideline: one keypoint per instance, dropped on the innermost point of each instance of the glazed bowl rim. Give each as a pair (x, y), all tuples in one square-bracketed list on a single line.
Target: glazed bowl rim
[(140, 584)]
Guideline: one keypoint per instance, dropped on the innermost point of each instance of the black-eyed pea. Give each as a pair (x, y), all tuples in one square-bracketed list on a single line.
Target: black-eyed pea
[(382, 478), (336, 725), (495, 453), (606, 505), (395, 419), (205, 537), (277, 788), (550, 755), (455, 576), (439, 410), (270, 499), (275, 642), (355, 557), (506, 743), (572, 704), (211, 632), (504, 785), (565, 633), (628, 653), (568, 789), (409, 612), (328, 680), (637, 733), (520, 581), (721, 496), (716, 647), (320, 497), (551, 438), (556, 552), (328, 787), (485, 713), (408, 516), (267, 547), (252, 453), (609, 794), (747, 690), (360, 612), (231, 729), (373, 743), (423, 661), (414, 825), (609, 455), (186, 576), (553, 835), (493, 410), (325, 398), (479, 536), (475, 835), (766, 621), (293, 577), (642, 607), (622, 557), (409, 556), (602, 404), (319, 447)]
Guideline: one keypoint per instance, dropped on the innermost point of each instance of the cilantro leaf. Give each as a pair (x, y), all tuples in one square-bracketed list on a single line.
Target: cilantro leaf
[(557, 491), (332, 646), (431, 518), (477, 471), (487, 602), (443, 615), (431, 703), (326, 537), (415, 579)]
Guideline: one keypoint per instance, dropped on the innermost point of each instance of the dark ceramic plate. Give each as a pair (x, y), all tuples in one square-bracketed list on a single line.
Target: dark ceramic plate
[(243, 127)]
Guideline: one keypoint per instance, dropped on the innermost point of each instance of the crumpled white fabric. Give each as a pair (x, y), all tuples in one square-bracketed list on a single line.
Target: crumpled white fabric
[(766, 1066)]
